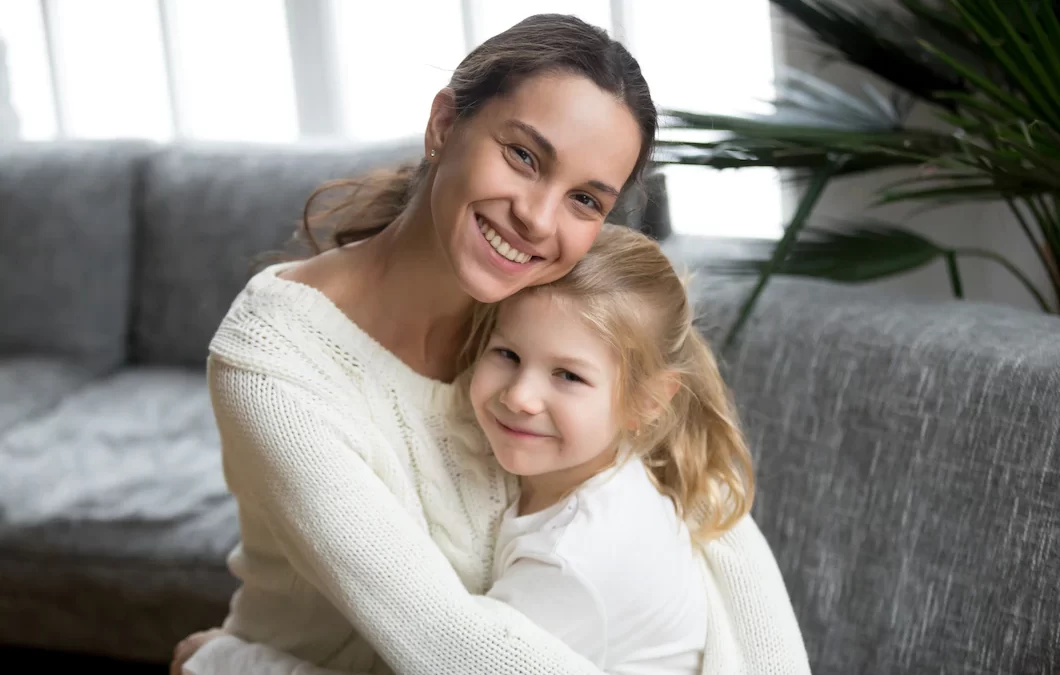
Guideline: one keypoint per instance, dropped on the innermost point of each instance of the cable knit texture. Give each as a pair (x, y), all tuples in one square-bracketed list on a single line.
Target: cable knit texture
[(367, 532)]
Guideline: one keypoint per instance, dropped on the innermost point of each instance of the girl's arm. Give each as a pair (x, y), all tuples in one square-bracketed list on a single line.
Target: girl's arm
[(343, 531)]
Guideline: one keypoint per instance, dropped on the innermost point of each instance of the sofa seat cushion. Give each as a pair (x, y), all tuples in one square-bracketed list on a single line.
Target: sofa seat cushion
[(114, 519), (30, 386)]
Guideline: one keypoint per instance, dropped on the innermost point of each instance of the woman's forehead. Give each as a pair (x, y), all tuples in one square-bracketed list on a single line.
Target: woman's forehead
[(574, 121)]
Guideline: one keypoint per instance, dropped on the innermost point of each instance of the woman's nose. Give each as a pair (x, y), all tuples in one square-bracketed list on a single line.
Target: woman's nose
[(537, 212), (521, 396)]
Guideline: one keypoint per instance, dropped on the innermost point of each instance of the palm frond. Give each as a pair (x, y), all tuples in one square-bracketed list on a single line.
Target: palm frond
[(804, 100), (991, 70), (742, 153), (878, 40), (863, 251)]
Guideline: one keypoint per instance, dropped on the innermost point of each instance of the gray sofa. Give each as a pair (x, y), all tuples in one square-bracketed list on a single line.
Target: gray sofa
[(908, 455)]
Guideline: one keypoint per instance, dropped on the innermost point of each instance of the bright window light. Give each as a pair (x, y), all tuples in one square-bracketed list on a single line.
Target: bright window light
[(232, 69), (28, 74), (394, 56), (110, 69), (711, 56)]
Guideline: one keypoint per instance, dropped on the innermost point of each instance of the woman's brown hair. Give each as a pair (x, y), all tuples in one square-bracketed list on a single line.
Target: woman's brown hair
[(630, 294), (539, 44)]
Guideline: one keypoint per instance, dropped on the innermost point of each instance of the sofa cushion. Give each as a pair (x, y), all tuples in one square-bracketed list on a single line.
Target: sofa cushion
[(114, 519), (209, 215), (32, 385), (908, 459), (66, 226)]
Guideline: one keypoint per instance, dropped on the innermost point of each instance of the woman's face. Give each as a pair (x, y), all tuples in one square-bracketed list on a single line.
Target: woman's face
[(521, 188)]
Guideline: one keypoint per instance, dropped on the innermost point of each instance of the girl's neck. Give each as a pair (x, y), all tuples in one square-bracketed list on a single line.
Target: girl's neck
[(537, 493), (418, 309)]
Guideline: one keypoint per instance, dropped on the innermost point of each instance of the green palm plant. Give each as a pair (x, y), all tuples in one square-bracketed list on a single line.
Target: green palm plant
[(990, 69)]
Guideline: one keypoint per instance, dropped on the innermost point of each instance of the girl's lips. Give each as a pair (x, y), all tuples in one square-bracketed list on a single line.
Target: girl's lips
[(518, 432)]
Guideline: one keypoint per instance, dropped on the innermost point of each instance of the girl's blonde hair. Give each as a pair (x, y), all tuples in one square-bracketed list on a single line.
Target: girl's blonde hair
[(629, 292)]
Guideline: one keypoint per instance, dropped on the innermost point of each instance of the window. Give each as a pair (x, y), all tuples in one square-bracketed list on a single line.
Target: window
[(28, 70), (393, 57), (281, 71), (231, 69)]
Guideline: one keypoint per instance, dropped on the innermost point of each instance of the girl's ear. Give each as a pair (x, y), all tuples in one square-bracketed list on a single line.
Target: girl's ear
[(440, 123), (670, 384), (662, 390)]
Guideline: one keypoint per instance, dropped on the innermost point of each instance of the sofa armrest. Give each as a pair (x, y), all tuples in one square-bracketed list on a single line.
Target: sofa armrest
[(908, 458)]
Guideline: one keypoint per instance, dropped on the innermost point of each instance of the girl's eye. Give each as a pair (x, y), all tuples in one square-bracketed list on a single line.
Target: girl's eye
[(568, 376), (507, 354), (587, 200)]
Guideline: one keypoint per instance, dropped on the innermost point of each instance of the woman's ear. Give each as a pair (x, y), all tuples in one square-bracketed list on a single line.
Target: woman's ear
[(441, 122)]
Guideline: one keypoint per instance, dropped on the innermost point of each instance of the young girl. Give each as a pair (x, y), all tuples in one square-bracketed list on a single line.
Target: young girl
[(629, 539)]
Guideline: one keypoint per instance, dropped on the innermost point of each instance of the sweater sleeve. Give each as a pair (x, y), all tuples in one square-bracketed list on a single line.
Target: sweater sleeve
[(228, 655), (342, 530)]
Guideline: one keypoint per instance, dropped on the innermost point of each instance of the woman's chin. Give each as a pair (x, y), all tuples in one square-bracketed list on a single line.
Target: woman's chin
[(485, 288)]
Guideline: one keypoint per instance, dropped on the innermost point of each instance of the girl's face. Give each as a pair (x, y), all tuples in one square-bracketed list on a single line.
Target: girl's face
[(521, 188), (544, 392)]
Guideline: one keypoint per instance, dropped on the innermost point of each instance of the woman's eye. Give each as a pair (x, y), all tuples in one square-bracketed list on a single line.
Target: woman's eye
[(586, 200), (569, 376), (523, 155)]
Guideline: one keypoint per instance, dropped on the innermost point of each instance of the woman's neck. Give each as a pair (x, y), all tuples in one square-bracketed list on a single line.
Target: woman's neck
[(411, 302)]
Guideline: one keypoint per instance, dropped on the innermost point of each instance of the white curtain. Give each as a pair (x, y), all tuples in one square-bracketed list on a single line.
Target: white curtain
[(8, 118)]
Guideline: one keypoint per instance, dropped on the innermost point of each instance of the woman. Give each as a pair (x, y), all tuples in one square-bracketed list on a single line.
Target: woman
[(363, 528)]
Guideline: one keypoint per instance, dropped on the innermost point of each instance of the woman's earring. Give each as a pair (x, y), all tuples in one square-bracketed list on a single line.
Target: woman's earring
[(433, 153)]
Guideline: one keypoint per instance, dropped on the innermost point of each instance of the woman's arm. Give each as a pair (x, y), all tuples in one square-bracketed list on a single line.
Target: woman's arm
[(345, 533), (548, 594), (228, 655)]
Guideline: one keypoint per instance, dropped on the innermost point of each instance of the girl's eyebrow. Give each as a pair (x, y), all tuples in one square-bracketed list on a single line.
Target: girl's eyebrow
[(575, 362), (578, 363)]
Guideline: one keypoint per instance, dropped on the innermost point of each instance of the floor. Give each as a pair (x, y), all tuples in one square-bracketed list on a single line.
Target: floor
[(17, 660)]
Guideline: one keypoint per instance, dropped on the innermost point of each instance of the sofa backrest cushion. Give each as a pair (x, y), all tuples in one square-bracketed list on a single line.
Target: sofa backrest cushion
[(209, 214), (908, 459), (66, 233)]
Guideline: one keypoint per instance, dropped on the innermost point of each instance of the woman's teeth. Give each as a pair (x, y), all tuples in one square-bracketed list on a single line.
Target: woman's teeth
[(501, 246)]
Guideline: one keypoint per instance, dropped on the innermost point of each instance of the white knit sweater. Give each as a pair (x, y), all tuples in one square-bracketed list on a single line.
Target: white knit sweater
[(364, 526)]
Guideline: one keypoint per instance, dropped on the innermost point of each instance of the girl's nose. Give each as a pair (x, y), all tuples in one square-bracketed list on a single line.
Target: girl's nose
[(522, 397)]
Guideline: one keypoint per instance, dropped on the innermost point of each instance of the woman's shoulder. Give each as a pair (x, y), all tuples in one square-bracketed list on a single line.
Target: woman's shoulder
[(285, 312), (296, 317)]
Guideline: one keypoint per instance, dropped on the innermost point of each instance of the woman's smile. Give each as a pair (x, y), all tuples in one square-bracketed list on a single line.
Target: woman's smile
[(507, 253)]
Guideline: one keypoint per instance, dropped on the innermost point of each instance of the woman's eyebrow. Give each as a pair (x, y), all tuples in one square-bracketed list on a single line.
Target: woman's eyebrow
[(604, 187), (550, 150), (539, 138)]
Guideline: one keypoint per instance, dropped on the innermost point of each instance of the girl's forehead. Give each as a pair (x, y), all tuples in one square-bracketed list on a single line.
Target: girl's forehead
[(539, 305)]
